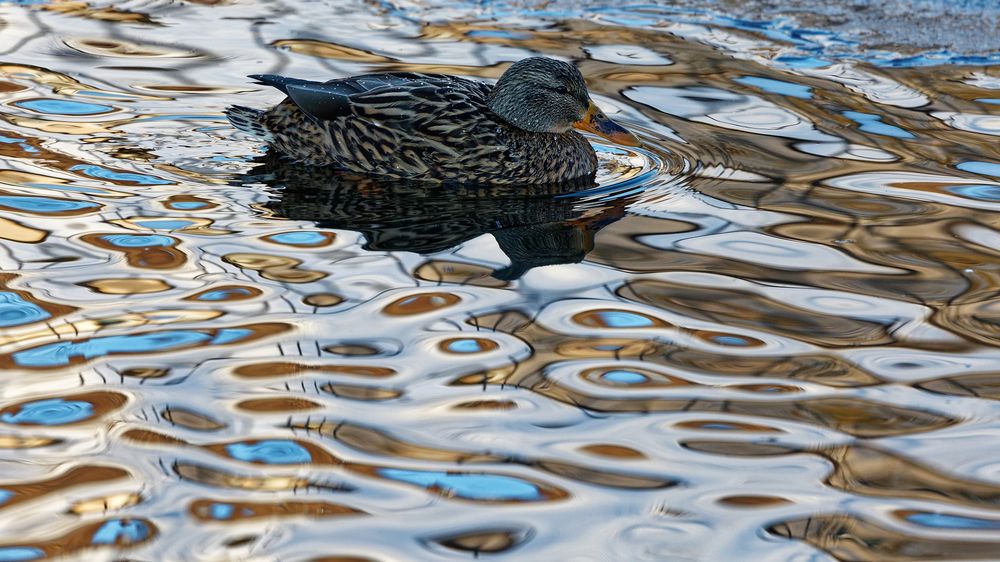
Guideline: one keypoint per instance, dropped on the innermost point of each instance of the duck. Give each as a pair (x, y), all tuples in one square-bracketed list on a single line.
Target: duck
[(521, 130)]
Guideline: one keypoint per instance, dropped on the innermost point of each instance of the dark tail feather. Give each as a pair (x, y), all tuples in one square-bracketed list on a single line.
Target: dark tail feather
[(248, 120), (280, 82)]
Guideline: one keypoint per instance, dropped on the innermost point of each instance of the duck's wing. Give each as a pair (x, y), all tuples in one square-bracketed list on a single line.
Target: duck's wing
[(400, 124), (391, 95)]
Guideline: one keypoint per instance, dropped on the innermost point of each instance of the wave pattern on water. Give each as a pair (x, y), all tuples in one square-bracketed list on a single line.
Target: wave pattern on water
[(771, 333)]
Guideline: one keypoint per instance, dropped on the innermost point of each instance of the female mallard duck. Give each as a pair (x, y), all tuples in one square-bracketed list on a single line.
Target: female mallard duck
[(439, 127)]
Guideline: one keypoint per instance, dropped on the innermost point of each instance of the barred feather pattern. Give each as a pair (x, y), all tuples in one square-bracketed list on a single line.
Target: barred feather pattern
[(419, 126), (248, 120)]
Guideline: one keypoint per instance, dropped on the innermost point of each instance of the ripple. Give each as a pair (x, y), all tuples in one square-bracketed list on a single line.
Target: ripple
[(31, 490), (271, 451), (326, 49), (283, 369), (713, 425), (207, 510), (364, 393), (226, 293), (873, 86), (780, 87), (633, 377), (58, 354), (206, 475), (613, 451), (191, 420), (947, 520), (421, 304), (113, 47), (121, 531), (19, 553), (118, 533), (928, 187), (117, 177), (310, 239), (729, 340), (983, 168), (440, 271), (729, 110), (982, 124), (166, 224), (323, 300), (467, 345), (772, 251), (470, 486), (62, 411), (632, 55), (188, 203), (63, 107), (846, 151), (278, 268), (754, 501), (979, 192), (619, 376), (849, 535), (55, 411), (489, 541), (872, 123), (46, 205), (852, 416), (139, 240), (277, 405), (15, 310), (130, 286), (746, 309), (75, 352), (617, 319)]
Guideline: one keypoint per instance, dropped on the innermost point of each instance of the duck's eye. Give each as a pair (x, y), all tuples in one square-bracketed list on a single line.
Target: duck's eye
[(562, 90)]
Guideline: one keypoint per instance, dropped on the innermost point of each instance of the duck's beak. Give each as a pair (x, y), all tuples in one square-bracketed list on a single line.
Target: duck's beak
[(595, 121)]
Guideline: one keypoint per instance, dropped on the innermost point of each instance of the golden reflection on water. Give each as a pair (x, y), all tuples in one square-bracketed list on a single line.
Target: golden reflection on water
[(771, 333)]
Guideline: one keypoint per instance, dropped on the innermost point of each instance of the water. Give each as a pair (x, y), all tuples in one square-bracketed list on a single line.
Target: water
[(771, 334)]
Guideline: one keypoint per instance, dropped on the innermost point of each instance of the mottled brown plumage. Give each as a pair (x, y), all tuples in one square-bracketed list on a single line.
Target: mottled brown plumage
[(438, 127)]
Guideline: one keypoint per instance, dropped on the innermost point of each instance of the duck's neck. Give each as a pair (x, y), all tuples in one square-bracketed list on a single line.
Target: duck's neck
[(508, 101)]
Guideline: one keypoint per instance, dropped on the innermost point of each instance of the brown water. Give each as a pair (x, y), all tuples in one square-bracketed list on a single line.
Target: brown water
[(771, 334)]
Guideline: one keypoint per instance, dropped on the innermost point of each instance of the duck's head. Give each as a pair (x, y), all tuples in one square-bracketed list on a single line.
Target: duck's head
[(544, 95)]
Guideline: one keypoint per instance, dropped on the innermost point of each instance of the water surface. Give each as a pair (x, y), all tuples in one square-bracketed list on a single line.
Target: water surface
[(773, 333)]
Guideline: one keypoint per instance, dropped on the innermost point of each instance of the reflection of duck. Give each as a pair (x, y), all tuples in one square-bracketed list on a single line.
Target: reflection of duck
[(425, 126), (532, 224)]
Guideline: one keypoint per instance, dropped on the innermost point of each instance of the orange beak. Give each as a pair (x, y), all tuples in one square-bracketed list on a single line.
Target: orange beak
[(595, 121)]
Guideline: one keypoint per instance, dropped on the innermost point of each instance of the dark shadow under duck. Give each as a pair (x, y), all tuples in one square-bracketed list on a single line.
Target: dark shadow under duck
[(439, 127), (534, 225)]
